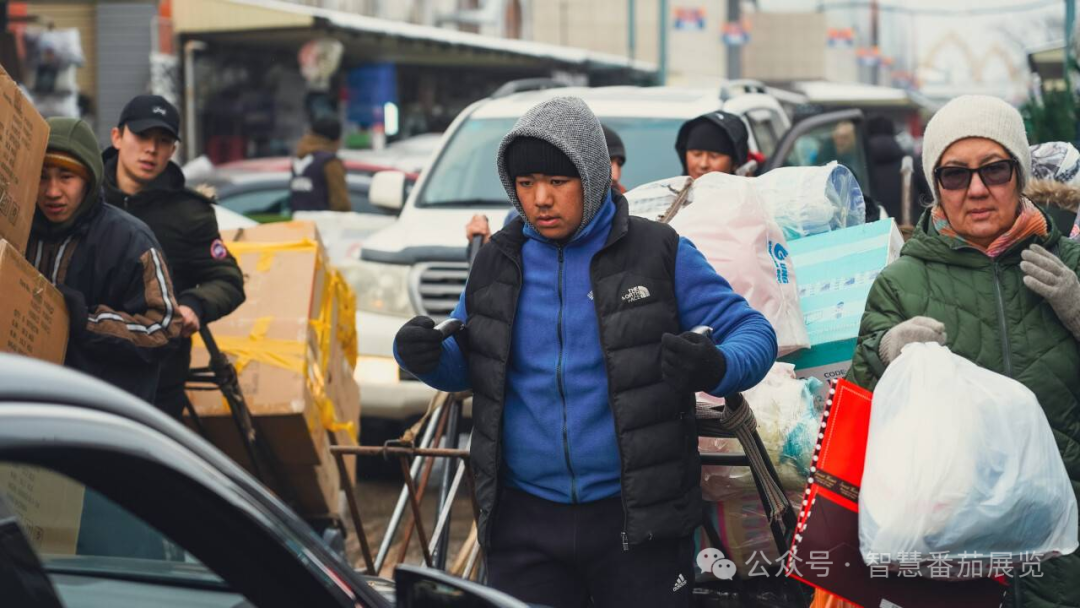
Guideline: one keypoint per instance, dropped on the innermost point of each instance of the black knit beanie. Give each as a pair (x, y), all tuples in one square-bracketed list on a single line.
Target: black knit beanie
[(615, 147), (528, 155), (328, 127), (709, 136)]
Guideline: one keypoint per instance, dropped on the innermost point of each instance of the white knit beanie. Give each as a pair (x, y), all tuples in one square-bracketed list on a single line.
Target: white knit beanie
[(976, 116)]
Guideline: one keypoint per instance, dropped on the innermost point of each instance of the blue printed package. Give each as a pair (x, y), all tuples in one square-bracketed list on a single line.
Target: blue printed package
[(836, 270)]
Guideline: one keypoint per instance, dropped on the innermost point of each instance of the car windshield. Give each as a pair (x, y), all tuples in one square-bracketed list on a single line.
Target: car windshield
[(76, 530), (465, 173)]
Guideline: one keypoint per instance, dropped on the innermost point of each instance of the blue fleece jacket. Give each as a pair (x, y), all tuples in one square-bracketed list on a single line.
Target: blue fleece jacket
[(533, 415)]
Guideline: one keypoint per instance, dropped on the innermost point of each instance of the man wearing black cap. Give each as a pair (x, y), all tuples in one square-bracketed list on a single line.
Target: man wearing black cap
[(141, 179), (478, 225), (318, 175), (717, 141)]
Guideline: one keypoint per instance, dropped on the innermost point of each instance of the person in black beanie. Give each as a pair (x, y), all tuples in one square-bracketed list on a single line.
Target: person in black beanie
[(717, 141), (579, 352), (478, 225), (617, 152)]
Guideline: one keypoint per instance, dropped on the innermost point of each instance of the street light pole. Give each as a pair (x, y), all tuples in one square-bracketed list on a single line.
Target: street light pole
[(631, 26), (663, 42), (734, 51)]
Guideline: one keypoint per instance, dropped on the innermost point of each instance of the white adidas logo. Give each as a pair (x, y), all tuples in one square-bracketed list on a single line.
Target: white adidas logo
[(635, 294), (679, 583)]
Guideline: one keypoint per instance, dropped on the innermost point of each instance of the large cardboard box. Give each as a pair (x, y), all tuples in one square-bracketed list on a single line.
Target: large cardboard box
[(48, 505), (293, 343), (271, 340), (836, 270), (33, 317), (24, 135)]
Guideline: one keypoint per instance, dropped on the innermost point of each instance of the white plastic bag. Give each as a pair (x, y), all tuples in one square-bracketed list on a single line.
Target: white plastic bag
[(812, 200), (727, 222), (961, 461), (651, 200), (787, 422)]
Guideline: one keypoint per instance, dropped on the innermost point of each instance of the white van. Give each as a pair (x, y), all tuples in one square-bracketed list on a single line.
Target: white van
[(417, 265)]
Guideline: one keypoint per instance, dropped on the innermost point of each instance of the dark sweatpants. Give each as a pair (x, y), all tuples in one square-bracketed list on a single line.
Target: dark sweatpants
[(562, 555)]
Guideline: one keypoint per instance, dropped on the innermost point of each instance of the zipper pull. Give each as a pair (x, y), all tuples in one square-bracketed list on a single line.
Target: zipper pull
[(625, 542)]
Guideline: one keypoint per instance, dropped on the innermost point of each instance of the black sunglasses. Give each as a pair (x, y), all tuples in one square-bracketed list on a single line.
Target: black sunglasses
[(959, 178)]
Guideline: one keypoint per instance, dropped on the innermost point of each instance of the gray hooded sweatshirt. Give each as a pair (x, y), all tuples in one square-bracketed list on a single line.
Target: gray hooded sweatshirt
[(568, 124)]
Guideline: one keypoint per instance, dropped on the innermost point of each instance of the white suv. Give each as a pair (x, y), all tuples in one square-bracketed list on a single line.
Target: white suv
[(417, 265)]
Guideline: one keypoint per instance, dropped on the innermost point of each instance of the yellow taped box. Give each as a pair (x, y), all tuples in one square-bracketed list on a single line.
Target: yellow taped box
[(293, 343), (24, 136), (33, 317)]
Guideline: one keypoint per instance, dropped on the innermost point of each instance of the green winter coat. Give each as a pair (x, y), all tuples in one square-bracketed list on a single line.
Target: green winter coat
[(992, 319)]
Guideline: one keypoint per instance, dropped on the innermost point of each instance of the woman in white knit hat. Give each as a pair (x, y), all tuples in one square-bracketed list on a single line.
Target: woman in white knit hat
[(990, 276)]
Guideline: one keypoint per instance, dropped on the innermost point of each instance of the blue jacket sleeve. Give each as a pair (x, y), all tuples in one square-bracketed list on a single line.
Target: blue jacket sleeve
[(452, 374), (743, 335)]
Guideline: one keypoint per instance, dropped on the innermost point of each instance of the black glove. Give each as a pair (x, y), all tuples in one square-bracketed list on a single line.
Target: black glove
[(691, 362), (419, 345), (76, 308)]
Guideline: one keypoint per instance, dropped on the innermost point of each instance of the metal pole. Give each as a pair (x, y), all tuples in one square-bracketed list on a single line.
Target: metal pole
[(403, 498), (875, 69), (1070, 25), (734, 52), (446, 497), (662, 76), (191, 146), (631, 27)]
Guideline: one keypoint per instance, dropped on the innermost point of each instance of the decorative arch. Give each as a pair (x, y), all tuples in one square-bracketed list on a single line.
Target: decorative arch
[(952, 40)]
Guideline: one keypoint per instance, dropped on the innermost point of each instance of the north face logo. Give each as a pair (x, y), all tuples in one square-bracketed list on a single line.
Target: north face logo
[(635, 294), (159, 110)]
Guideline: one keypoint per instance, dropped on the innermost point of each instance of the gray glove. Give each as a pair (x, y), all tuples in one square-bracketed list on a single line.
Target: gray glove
[(1049, 277), (915, 329)]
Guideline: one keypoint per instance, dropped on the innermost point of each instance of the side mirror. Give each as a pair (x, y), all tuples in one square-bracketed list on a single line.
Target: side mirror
[(423, 587), (388, 190)]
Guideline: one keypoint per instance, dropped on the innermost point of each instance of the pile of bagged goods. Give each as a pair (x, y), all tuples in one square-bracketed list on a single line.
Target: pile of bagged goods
[(795, 244)]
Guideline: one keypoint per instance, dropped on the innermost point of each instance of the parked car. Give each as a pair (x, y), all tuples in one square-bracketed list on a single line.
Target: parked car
[(410, 154), (259, 188), (228, 219), (116, 504), (417, 265)]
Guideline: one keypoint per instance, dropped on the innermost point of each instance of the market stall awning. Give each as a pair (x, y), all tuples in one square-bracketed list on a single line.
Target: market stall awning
[(277, 23)]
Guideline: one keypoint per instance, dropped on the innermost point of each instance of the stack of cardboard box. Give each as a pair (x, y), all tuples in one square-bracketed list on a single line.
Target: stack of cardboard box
[(293, 342), (33, 318)]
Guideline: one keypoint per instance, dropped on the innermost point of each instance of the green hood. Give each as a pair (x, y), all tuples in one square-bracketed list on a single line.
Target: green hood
[(75, 137)]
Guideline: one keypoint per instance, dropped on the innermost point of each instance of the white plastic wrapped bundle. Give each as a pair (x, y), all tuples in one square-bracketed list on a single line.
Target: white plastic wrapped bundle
[(812, 200)]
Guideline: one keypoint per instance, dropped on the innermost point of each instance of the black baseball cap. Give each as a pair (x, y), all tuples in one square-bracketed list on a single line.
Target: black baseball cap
[(147, 112)]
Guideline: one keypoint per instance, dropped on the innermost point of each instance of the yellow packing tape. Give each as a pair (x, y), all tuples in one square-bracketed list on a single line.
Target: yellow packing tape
[(266, 251), (290, 354)]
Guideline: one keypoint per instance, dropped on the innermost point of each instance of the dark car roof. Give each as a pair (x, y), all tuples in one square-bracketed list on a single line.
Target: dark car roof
[(23, 379)]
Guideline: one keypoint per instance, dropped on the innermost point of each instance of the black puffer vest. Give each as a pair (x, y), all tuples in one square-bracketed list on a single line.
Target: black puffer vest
[(307, 188), (655, 425)]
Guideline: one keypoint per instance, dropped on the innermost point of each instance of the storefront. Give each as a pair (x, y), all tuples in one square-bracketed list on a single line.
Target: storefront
[(394, 78)]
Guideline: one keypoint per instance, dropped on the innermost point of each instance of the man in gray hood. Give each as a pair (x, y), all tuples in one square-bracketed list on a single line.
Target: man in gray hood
[(583, 369)]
